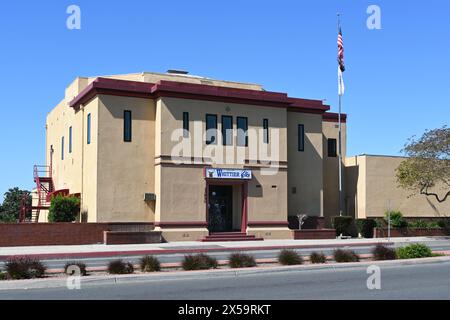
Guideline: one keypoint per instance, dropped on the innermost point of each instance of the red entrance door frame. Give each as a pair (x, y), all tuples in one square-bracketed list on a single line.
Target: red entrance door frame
[(244, 195)]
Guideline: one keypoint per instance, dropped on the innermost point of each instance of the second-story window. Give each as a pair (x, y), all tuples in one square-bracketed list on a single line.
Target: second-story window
[(242, 128), (127, 126), (301, 137), (266, 130), (227, 130), (70, 139), (185, 124), (88, 129), (62, 148), (332, 148), (211, 129)]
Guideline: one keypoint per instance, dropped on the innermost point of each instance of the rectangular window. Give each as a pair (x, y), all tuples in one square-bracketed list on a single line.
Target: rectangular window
[(301, 137), (88, 129), (62, 148), (185, 124), (127, 126), (266, 130), (332, 149), (227, 130), (70, 139), (242, 127), (211, 129)]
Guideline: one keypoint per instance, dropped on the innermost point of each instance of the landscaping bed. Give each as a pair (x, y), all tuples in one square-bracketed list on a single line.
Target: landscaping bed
[(25, 268)]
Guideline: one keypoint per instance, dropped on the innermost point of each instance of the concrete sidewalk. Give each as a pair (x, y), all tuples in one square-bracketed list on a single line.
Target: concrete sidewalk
[(99, 250)]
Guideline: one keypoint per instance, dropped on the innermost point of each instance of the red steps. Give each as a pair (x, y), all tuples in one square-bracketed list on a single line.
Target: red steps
[(230, 236)]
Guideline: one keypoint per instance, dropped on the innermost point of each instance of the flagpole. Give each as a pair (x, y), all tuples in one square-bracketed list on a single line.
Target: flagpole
[(340, 137)]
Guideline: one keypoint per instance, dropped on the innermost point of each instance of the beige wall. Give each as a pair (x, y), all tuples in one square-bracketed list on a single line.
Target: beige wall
[(376, 181), (305, 168), (181, 192), (72, 171), (126, 170), (331, 171)]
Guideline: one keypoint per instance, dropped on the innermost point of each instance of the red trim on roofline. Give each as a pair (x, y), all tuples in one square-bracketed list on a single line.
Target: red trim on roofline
[(334, 117), (195, 91)]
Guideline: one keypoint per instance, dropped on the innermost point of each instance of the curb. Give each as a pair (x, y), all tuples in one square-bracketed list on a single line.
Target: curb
[(79, 255), (185, 275)]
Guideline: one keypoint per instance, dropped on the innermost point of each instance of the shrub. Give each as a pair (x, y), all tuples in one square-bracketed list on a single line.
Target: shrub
[(345, 226), (120, 267), (415, 250), (444, 223), (381, 252), (241, 260), (3, 276), (64, 209), (345, 256), (25, 268), (80, 265), (150, 264), (199, 262), (289, 258), (417, 224), (366, 226), (397, 220), (316, 258)]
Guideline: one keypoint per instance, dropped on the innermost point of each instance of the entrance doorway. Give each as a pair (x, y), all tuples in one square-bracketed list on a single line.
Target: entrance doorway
[(220, 211)]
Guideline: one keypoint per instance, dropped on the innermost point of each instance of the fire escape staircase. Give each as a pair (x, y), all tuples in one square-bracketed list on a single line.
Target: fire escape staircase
[(41, 201)]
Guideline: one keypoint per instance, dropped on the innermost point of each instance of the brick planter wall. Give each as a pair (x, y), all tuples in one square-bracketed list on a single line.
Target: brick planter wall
[(41, 234), (419, 232), (124, 237), (314, 234)]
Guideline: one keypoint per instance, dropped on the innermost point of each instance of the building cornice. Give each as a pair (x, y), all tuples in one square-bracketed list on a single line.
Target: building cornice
[(183, 90)]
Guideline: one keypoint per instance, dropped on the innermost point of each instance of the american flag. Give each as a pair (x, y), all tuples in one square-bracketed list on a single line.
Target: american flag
[(340, 43)]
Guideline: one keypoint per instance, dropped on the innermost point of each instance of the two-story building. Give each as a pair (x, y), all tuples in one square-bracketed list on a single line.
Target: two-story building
[(193, 155)]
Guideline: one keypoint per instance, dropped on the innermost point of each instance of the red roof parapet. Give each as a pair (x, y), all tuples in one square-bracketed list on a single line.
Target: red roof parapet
[(185, 90)]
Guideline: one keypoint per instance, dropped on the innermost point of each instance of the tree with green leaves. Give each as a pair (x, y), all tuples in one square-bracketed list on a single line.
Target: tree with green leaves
[(427, 170), (10, 209)]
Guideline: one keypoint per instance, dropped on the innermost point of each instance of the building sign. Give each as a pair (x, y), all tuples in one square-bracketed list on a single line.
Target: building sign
[(239, 174)]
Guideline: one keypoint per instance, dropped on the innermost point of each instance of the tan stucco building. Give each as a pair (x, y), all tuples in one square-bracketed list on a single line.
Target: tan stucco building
[(197, 156)]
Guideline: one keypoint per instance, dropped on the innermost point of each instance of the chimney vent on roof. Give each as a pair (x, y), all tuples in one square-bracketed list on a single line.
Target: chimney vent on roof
[(173, 71)]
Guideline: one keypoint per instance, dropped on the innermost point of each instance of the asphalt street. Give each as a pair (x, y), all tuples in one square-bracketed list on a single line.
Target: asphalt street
[(419, 281), (436, 245)]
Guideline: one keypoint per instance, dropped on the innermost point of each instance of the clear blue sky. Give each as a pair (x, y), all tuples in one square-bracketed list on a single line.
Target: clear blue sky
[(397, 78)]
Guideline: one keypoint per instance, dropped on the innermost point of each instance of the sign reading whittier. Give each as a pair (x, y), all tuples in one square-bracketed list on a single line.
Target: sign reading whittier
[(216, 173)]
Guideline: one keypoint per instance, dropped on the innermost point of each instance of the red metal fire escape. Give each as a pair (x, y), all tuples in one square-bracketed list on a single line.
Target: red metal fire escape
[(44, 187)]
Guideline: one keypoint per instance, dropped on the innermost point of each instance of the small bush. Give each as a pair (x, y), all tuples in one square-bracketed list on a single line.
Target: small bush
[(345, 256), (80, 265), (150, 264), (413, 251), (317, 258), (289, 258), (397, 220), (199, 262), (418, 224), (345, 226), (365, 227), (64, 209), (241, 260), (25, 268), (444, 223), (3, 276), (120, 267), (381, 252)]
